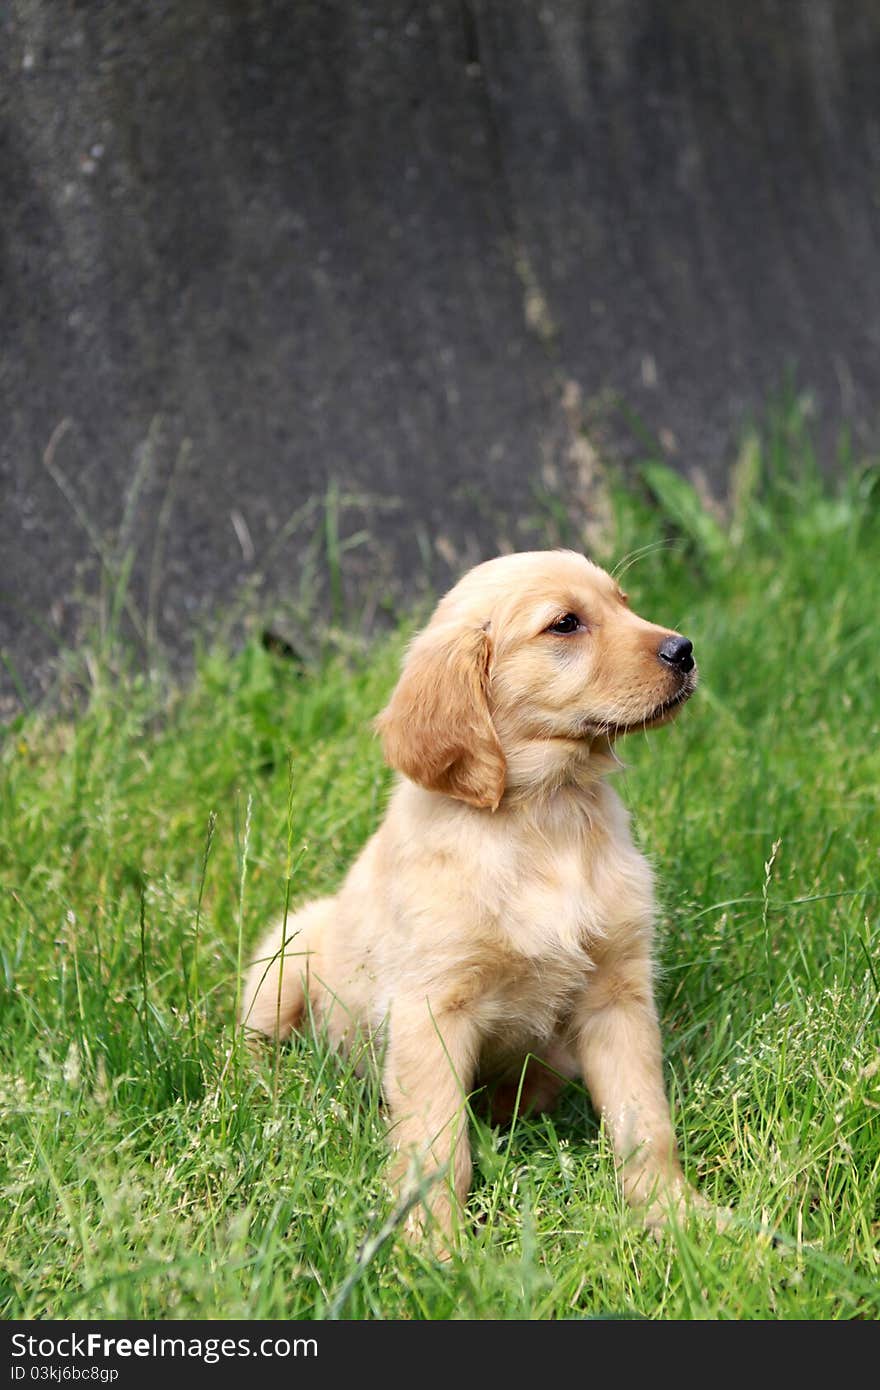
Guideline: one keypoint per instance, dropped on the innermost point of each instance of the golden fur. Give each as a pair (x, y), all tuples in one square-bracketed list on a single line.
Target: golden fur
[(501, 911)]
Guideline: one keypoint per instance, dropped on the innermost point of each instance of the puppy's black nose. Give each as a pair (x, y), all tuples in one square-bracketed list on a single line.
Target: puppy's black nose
[(677, 652)]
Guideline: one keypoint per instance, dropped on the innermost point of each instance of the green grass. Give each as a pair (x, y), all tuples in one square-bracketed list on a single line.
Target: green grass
[(151, 1170)]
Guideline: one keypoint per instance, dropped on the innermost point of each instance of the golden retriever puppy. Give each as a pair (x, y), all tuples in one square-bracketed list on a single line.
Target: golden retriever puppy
[(501, 912)]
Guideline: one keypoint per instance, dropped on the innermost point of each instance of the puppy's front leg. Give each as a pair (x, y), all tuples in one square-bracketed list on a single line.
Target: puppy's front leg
[(430, 1065), (620, 1056)]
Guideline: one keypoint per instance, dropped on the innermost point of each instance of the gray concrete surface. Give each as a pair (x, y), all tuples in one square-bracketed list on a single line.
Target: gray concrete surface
[(254, 249)]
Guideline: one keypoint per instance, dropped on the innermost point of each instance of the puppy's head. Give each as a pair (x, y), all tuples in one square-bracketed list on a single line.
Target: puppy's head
[(529, 669)]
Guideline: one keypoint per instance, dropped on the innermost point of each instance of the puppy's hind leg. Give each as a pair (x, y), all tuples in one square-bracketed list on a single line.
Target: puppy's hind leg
[(284, 973)]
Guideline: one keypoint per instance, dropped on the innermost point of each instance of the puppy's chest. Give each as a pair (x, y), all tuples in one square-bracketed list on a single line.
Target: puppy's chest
[(558, 904), (557, 916)]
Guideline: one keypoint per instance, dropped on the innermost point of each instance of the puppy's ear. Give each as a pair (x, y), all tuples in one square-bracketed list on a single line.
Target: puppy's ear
[(436, 728)]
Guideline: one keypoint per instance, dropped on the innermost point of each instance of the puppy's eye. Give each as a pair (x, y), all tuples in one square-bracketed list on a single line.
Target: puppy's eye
[(570, 623)]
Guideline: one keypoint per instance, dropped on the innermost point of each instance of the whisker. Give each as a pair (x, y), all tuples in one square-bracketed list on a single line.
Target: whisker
[(634, 556)]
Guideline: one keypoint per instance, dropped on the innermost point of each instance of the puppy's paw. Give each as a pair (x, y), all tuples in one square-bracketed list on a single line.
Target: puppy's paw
[(422, 1231), (680, 1206)]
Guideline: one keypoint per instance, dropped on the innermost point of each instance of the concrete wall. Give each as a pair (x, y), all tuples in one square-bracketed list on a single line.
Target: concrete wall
[(250, 248)]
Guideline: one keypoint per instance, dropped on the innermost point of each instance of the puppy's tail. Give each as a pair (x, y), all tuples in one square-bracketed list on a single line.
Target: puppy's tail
[(284, 973)]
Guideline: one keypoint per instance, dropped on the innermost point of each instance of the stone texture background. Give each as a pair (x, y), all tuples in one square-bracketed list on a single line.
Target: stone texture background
[(252, 250)]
